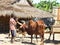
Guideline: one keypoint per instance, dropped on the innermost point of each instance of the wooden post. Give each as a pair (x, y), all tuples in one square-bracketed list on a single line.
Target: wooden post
[(58, 15)]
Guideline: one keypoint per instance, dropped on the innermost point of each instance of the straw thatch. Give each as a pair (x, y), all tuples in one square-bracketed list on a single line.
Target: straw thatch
[(24, 10)]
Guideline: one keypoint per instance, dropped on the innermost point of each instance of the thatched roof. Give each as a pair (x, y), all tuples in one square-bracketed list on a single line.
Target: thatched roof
[(24, 10)]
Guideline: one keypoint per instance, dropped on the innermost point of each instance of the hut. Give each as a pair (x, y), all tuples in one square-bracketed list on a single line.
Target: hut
[(24, 9)]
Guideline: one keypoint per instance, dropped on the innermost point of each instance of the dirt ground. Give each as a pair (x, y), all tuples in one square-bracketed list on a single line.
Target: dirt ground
[(4, 40)]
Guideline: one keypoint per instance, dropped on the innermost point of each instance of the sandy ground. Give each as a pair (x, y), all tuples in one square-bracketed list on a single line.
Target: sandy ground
[(4, 40)]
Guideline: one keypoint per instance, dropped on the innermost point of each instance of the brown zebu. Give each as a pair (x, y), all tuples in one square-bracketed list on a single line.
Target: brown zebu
[(36, 28)]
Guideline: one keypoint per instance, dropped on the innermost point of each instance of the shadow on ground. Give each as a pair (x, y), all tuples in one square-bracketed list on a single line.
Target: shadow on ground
[(52, 41), (28, 43)]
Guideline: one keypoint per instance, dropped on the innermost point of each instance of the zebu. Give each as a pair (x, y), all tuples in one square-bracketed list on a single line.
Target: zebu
[(36, 28)]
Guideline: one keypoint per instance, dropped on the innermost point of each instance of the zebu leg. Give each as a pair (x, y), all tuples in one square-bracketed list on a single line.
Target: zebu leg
[(36, 38), (42, 37), (51, 30), (31, 38), (53, 33), (50, 35), (53, 36), (42, 40)]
